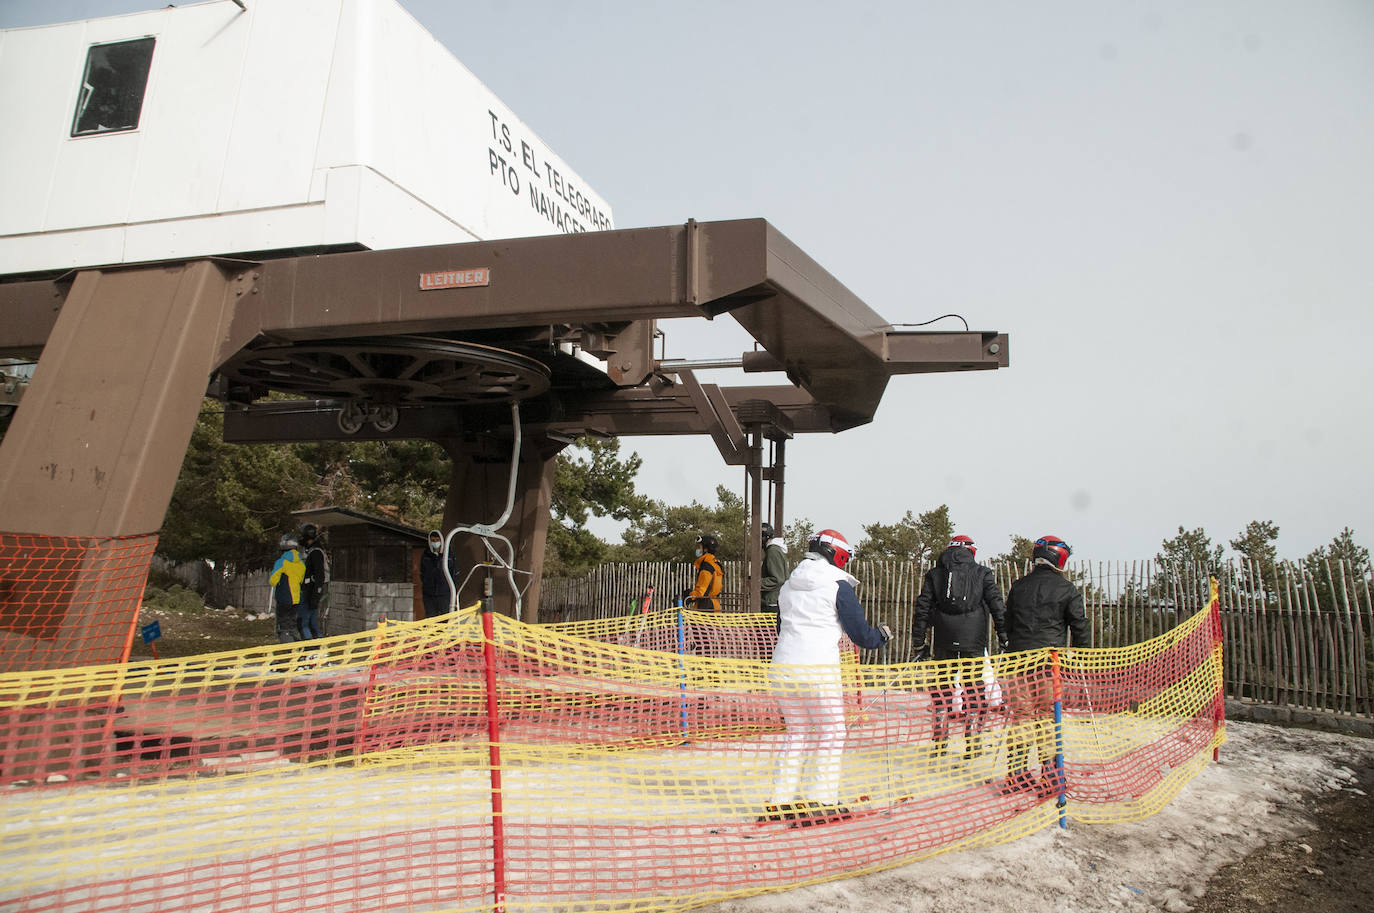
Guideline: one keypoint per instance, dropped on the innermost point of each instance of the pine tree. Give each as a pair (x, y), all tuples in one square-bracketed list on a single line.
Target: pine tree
[(1337, 567), (1018, 556), (232, 502), (921, 538), (1183, 566), (668, 533), (591, 480), (1255, 545), (798, 536)]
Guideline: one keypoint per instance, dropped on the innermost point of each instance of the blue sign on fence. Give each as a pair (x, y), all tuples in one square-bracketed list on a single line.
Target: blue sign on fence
[(151, 632)]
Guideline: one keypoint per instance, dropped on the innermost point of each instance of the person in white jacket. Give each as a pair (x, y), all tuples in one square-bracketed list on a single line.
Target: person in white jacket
[(816, 606)]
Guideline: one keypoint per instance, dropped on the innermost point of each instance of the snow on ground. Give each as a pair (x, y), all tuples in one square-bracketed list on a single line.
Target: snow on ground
[(1253, 796)]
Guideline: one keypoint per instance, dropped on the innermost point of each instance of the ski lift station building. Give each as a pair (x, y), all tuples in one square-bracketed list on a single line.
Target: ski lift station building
[(291, 125)]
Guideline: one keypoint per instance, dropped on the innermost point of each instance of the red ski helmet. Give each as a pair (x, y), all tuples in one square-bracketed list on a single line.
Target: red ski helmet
[(831, 546), (1052, 550), (964, 542)]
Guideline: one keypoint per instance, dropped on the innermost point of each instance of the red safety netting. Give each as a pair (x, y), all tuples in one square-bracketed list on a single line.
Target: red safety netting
[(69, 600)]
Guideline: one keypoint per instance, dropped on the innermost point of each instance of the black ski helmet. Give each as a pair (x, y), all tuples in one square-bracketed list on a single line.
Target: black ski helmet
[(309, 532), (708, 543), (767, 530)]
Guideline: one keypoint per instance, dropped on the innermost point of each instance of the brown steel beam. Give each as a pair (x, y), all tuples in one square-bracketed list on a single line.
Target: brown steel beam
[(827, 340), (597, 277)]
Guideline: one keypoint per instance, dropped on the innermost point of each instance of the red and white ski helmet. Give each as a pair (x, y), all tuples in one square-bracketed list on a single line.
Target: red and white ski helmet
[(1053, 551), (964, 542), (831, 546)]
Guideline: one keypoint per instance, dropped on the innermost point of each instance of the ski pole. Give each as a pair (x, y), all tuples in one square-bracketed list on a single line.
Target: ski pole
[(887, 736)]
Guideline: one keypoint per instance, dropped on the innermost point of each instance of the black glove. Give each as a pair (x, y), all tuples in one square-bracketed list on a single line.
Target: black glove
[(921, 653), (1004, 643), (884, 630)]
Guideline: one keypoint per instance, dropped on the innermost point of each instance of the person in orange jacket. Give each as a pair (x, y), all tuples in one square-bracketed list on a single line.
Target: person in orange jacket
[(704, 596)]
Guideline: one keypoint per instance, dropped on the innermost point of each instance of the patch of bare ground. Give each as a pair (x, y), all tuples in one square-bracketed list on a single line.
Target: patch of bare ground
[(1330, 869)]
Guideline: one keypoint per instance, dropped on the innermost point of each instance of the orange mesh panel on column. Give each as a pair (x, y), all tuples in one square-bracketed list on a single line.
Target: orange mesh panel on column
[(68, 600)]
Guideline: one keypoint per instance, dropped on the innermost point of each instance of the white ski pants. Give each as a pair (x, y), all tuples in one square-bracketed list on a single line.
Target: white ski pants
[(812, 703)]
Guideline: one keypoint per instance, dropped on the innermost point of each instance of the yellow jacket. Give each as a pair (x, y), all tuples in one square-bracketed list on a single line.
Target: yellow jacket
[(290, 566), (710, 580)]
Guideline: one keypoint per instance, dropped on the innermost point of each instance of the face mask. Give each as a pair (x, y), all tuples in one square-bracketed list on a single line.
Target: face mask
[(698, 553), (436, 547)]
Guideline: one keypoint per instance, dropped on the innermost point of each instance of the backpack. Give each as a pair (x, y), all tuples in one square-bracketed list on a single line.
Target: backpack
[(956, 597)]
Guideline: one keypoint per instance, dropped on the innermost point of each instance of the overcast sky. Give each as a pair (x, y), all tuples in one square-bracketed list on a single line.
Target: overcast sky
[(1168, 206)]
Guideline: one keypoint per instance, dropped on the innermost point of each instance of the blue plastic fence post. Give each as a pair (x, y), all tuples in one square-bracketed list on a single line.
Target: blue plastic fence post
[(1059, 741), (682, 665)]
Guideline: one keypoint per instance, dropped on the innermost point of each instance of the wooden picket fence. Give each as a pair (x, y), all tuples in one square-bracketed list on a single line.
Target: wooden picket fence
[(1294, 636)]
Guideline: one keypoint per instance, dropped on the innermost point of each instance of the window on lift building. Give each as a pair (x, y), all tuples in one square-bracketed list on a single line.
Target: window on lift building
[(111, 97)]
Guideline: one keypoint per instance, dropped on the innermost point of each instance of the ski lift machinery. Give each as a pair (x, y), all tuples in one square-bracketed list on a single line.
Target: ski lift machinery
[(501, 351)]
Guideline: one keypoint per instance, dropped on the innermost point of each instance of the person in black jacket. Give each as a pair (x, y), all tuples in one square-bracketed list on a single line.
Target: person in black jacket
[(434, 588), (1044, 609), (957, 598), (312, 587)]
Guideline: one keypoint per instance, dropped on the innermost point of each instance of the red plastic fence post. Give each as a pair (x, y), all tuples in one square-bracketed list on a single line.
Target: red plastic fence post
[(1219, 717), (369, 691), (133, 626), (498, 822)]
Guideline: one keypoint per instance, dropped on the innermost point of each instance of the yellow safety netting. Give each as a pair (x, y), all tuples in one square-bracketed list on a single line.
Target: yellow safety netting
[(630, 761)]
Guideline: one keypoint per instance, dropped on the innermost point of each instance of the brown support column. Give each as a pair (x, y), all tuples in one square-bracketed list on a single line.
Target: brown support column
[(478, 482), (778, 468), (417, 593), (95, 447), (88, 465), (754, 547)]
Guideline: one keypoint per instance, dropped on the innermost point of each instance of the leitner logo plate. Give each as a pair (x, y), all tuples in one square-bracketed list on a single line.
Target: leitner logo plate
[(455, 278)]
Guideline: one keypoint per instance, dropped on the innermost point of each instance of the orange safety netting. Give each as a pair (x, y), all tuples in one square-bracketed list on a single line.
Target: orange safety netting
[(69, 600), (430, 766)]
